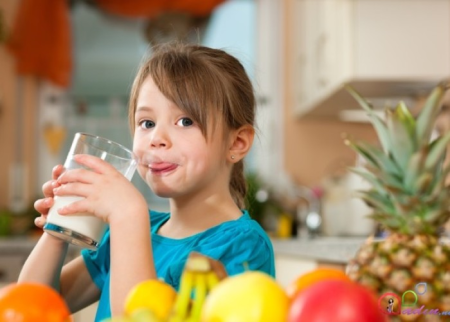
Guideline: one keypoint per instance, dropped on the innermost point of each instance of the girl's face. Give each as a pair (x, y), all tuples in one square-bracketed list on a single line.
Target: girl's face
[(174, 157)]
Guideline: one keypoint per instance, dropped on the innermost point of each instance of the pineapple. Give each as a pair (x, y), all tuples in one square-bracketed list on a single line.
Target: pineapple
[(410, 199)]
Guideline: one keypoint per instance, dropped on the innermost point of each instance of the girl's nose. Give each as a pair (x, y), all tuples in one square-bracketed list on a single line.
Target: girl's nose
[(159, 138)]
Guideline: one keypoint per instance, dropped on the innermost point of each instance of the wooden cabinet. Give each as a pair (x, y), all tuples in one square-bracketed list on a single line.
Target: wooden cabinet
[(390, 48), (18, 105)]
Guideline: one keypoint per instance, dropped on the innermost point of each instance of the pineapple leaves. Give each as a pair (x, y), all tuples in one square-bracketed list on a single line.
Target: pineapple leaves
[(376, 157), (439, 184), (377, 122), (437, 151), (406, 118), (388, 221), (370, 178), (408, 173), (414, 168), (429, 113), (400, 130), (378, 201), (423, 182)]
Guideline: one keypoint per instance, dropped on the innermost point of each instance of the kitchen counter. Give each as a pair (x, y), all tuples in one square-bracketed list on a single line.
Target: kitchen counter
[(337, 250), (14, 252), (17, 244), (323, 249)]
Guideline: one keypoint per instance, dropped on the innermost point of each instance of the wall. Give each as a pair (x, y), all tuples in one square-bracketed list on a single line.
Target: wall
[(315, 149), (17, 115)]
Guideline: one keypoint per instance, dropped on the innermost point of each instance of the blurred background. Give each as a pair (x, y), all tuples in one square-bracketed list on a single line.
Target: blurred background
[(67, 66)]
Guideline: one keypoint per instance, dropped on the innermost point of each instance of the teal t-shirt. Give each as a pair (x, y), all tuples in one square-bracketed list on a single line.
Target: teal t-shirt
[(238, 244)]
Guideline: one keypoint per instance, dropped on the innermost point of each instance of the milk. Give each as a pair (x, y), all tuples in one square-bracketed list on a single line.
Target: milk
[(83, 229), (89, 226)]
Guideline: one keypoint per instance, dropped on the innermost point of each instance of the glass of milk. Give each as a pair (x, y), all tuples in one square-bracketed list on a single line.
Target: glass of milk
[(85, 230)]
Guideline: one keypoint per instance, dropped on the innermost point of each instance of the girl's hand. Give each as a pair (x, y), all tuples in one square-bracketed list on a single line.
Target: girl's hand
[(43, 205), (107, 193)]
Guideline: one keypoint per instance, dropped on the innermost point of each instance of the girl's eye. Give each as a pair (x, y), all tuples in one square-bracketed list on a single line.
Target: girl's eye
[(146, 124), (185, 121)]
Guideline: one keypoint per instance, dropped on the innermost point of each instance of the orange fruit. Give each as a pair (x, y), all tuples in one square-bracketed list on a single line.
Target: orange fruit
[(312, 277), (32, 302), (154, 295)]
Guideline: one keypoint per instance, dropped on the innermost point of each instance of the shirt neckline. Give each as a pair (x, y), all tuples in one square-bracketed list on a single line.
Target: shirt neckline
[(168, 240)]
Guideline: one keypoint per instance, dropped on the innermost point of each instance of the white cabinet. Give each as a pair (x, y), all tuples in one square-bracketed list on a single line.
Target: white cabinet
[(288, 268), (267, 152), (319, 41), (388, 48)]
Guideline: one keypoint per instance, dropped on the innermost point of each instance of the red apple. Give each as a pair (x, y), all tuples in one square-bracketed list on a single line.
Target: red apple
[(337, 301)]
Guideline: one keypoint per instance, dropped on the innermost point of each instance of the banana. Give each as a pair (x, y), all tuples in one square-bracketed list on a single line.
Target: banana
[(211, 280), (181, 306), (198, 279), (200, 295)]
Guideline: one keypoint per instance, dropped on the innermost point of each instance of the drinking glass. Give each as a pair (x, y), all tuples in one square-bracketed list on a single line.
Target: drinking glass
[(83, 229)]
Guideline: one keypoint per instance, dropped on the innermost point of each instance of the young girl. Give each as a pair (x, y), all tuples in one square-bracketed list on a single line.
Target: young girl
[(191, 112)]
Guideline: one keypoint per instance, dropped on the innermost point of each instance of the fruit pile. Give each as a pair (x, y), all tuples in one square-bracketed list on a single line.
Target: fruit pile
[(207, 294)]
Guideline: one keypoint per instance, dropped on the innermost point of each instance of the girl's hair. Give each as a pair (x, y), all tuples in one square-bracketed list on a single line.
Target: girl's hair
[(207, 84)]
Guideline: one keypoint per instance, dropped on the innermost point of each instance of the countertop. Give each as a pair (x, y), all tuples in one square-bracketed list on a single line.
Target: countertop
[(322, 249), (23, 245)]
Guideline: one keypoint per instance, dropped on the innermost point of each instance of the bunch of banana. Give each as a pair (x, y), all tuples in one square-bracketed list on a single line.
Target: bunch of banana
[(200, 275)]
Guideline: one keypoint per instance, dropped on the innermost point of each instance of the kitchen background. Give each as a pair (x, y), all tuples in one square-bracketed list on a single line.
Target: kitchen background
[(298, 53)]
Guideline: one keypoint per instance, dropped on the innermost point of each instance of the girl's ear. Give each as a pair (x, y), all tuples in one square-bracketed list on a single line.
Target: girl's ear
[(241, 141)]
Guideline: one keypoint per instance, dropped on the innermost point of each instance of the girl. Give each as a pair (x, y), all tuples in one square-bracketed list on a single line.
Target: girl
[(191, 112)]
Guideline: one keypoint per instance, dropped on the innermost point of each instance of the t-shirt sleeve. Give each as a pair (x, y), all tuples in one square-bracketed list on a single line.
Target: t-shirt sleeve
[(241, 249), (97, 262)]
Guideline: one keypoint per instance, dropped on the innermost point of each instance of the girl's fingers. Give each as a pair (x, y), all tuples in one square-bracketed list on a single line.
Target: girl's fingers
[(43, 205), (40, 221), (48, 187), (94, 163), (80, 208), (57, 171), (73, 189), (76, 175)]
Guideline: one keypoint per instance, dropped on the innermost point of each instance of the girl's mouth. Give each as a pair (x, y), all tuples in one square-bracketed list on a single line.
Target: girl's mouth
[(162, 168)]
